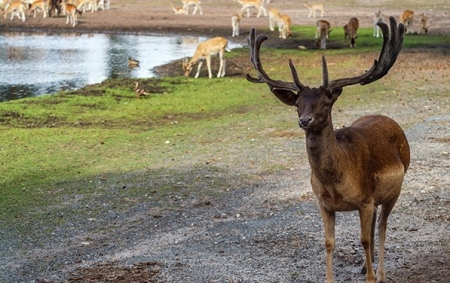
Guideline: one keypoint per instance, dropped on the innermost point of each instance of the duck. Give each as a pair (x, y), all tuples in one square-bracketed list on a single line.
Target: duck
[(139, 91), (133, 62)]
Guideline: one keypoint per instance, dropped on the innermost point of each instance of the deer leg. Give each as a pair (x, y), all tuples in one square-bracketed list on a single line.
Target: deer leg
[(222, 66), (198, 69), (329, 219), (386, 209), (366, 219), (208, 63), (372, 243)]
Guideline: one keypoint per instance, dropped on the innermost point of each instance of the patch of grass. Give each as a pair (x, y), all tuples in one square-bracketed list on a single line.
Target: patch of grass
[(63, 152)]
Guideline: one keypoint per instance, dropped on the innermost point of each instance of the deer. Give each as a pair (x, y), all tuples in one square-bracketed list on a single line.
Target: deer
[(322, 33), (235, 23), (378, 17), (423, 24), (16, 8), (213, 46), (350, 30), (407, 18), (359, 167), (72, 13), (195, 3), (41, 5), (258, 4), (284, 26), (313, 7), (274, 17), (178, 10)]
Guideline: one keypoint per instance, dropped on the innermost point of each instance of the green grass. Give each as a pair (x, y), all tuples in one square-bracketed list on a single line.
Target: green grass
[(58, 150)]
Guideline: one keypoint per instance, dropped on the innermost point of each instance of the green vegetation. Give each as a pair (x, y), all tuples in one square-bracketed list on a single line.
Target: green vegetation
[(61, 152)]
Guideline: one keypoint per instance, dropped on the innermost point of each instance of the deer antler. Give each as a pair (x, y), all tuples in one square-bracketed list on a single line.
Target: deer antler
[(392, 44), (275, 86)]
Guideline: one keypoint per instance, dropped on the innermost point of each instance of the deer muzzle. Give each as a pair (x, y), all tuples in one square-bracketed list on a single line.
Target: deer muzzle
[(305, 122)]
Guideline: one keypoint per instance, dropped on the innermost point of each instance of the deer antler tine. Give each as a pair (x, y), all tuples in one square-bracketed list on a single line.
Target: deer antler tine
[(295, 75), (392, 44), (255, 43), (326, 82)]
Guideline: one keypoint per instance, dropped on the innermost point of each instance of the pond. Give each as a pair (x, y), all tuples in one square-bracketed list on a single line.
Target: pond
[(33, 64)]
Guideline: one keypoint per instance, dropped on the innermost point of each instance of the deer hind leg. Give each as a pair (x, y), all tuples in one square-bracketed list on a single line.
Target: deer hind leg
[(208, 64), (366, 214), (386, 209), (372, 243), (329, 220)]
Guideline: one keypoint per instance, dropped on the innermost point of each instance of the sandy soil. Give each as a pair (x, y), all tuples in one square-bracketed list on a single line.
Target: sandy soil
[(271, 230)]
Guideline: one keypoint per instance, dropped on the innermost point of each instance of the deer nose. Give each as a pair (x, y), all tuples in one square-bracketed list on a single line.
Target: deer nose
[(304, 121)]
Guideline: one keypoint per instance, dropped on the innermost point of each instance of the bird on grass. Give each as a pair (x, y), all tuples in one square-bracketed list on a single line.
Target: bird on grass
[(139, 91), (132, 62)]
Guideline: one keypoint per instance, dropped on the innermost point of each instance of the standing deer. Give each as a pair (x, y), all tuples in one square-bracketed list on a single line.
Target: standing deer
[(350, 30), (235, 23), (423, 24), (354, 168), (323, 29), (378, 17), (407, 18), (204, 51)]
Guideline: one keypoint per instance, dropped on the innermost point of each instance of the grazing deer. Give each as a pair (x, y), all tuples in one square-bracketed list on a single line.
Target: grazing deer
[(16, 8), (313, 7), (235, 23), (258, 4), (423, 24), (274, 17), (378, 17), (72, 13), (350, 30), (407, 18), (322, 33), (204, 51), (178, 10), (284, 26), (195, 3), (359, 167), (40, 5)]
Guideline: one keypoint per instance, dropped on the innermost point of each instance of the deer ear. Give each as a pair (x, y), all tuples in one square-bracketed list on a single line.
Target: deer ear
[(286, 96), (335, 92)]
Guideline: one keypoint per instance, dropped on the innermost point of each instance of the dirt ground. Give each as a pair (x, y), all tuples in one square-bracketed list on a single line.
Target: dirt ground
[(268, 230)]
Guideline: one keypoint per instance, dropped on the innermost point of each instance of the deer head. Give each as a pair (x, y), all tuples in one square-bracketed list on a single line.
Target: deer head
[(187, 67), (314, 104)]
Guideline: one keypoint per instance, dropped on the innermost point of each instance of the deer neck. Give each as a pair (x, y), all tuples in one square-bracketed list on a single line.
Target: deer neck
[(323, 153)]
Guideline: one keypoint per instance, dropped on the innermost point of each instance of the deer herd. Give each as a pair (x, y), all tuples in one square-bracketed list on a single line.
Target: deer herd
[(68, 8), (283, 23)]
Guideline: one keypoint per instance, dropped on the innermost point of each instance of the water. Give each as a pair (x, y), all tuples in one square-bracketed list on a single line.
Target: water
[(33, 64)]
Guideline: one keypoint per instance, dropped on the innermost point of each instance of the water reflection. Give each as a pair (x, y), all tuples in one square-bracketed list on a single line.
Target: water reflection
[(33, 64)]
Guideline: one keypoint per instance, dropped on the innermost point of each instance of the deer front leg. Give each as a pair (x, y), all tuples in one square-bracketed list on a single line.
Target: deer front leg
[(208, 63), (329, 219), (222, 67), (198, 68), (366, 218)]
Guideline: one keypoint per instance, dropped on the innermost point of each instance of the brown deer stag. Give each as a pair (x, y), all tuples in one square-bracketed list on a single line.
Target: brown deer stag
[(354, 168), (350, 30)]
